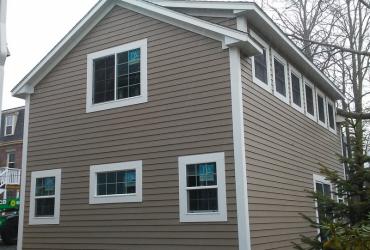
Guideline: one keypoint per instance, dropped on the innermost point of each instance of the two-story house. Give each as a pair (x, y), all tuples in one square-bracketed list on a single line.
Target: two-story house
[(11, 138), (174, 125)]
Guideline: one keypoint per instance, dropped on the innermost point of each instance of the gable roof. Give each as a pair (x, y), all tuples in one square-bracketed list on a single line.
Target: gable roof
[(228, 37), (261, 21)]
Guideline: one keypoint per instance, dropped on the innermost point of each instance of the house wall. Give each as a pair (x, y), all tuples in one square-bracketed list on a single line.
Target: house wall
[(188, 112), (283, 150)]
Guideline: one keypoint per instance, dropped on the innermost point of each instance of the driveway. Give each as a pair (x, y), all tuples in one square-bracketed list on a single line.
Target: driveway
[(4, 247)]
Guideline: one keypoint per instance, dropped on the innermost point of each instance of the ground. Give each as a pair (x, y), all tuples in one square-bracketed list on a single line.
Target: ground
[(4, 247)]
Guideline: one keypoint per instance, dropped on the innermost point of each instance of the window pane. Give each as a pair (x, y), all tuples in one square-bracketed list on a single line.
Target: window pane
[(9, 120), (44, 207), (280, 77), (309, 100), (260, 67), (45, 186), (203, 174), (321, 109), (9, 130), (202, 200), (104, 79), (116, 182), (296, 90), (331, 116)]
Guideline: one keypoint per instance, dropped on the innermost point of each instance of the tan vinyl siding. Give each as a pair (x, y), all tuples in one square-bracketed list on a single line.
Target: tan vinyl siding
[(188, 112), (283, 150)]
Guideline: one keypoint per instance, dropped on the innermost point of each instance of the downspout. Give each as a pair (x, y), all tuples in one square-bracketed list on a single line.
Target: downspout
[(3, 49)]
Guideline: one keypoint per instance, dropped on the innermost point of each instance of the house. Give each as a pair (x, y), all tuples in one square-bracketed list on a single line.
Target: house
[(174, 125), (11, 137)]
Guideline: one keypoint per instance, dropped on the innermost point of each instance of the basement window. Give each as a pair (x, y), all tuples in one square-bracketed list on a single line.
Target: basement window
[(202, 188), (45, 197), (116, 182), (117, 77)]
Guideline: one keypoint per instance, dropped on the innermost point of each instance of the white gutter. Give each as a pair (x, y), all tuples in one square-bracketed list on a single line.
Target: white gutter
[(3, 48)]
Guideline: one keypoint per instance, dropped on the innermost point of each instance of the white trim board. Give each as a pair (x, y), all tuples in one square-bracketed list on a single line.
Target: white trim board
[(239, 151), (228, 37)]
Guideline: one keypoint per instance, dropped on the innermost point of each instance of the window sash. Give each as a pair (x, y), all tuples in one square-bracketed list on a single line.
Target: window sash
[(125, 183), (11, 160), (310, 104), (260, 67), (280, 78), (321, 107), (331, 116), (296, 90)]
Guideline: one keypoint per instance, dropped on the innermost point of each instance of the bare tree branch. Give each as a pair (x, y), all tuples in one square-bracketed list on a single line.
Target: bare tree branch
[(353, 115), (344, 49), (365, 3)]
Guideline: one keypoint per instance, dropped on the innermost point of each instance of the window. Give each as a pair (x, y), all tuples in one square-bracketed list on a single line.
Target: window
[(45, 197), (331, 116), (296, 89), (323, 187), (261, 65), (321, 110), (280, 79), (310, 102), (10, 159), (116, 182), (202, 188), (117, 77), (9, 124)]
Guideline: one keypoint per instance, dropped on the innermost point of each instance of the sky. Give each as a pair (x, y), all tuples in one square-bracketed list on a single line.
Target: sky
[(33, 28)]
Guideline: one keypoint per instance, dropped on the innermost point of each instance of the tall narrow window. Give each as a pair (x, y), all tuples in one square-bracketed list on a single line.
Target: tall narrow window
[(117, 77), (296, 89), (45, 197), (260, 67), (280, 77), (321, 108), (10, 159), (310, 105), (202, 188), (331, 116), (9, 124)]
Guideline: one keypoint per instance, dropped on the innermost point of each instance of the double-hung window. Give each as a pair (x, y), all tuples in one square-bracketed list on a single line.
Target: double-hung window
[(10, 159), (261, 65), (321, 108), (117, 77), (296, 89), (310, 100), (9, 124), (280, 77), (202, 188), (45, 197), (116, 182), (331, 116)]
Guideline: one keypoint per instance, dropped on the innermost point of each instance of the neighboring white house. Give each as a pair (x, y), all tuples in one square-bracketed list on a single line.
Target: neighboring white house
[(4, 52)]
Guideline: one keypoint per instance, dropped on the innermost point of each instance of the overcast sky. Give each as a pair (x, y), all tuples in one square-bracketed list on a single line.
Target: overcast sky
[(33, 28)]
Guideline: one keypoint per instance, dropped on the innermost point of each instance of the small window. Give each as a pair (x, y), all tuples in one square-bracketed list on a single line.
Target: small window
[(310, 102), (9, 125), (331, 116), (280, 80), (321, 111), (261, 65), (45, 197), (202, 188), (116, 182), (117, 77), (10, 159), (296, 89)]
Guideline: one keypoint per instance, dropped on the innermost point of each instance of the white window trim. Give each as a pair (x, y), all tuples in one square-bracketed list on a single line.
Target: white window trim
[(328, 101), (8, 158), (320, 179), (13, 124), (116, 198), (321, 94), (275, 55), (33, 220), (255, 79), (90, 106), (313, 117), (294, 71), (221, 215)]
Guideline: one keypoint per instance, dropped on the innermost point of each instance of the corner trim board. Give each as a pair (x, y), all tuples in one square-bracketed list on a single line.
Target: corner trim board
[(23, 173), (239, 150)]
